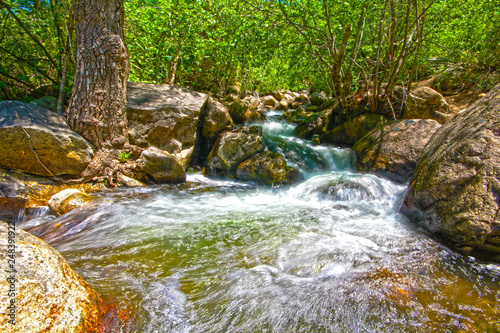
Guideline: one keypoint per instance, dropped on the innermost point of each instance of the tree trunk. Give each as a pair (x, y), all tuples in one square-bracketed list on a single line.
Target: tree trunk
[(97, 106)]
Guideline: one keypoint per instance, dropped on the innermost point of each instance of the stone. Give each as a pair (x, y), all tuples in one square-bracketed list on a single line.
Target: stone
[(269, 101), (426, 103), (318, 98), (163, 116), (267, 168), (316, 123), (238, 110), (282, 105), (46, 102), (161, 166), (393, 149), (128, 181), (278, 95), (34, 139), (67, 200), (454, 193), (352, 130), (50, 296), (232, 148), (217, 119)]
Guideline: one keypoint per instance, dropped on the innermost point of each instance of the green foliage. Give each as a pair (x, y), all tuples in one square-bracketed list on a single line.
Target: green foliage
[(211, 45), (123, 157)]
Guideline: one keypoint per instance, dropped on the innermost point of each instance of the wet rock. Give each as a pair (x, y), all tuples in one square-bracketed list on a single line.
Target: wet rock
[(34, 139), (346, 190), (353, 130), (278, 95), (163, 116), (316, 123), (50, 296), (454, 193), (392, 150), (161, 166), (67, 200), (269, 101), (426, 103), (217, 119), (267, 168), (232, 148), (127, 181)]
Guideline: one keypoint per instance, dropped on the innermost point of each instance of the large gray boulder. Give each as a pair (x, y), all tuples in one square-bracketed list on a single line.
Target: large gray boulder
[(454, 193), (49, 295), (163, 116), (34, 139), (161, 166), (393, 149), (232, 148)]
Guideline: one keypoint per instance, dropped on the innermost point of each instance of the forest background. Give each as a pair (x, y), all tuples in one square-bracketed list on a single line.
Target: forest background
[(217, 45)]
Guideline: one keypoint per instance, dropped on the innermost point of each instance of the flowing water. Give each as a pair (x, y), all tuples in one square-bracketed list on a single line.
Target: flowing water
[(328, 254)]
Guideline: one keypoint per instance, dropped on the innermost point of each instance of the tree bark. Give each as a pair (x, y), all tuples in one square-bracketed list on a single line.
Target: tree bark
[(97, 106)]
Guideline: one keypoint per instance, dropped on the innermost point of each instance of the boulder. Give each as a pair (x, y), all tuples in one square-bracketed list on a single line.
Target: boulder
[(269, 101), (67, 200), (232, 148), (454, 193), (161, 166), (278, 95), (252, 102), (216, 120), (393, 149), (426, 103), (282, 105), (127, 181), (318, 98), (34, 139), (238, 110), (315, 124), (163, 116), (267, 168), (49, 295), (354, 129)]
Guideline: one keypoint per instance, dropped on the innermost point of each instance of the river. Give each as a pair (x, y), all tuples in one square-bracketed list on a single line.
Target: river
[(328, 254)]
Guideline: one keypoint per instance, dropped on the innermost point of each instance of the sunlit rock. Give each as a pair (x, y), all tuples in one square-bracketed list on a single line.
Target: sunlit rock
[(267, 168), (49, 295), (392, 150), (38, 141), (67, 200), (454, 193), (161, 166), (232, 148)]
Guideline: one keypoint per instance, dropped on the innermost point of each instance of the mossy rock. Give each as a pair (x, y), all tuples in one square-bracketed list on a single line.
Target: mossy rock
[(267, 168), (353, 130)]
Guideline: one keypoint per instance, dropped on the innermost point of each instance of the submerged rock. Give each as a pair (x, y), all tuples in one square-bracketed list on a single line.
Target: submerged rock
[(232, 148), (392, 150), (267, 168), (454, 193), (426, 103), (352, 130), (67, 200), (161, 166), (49, 295), (163, 116), (34, 139)]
